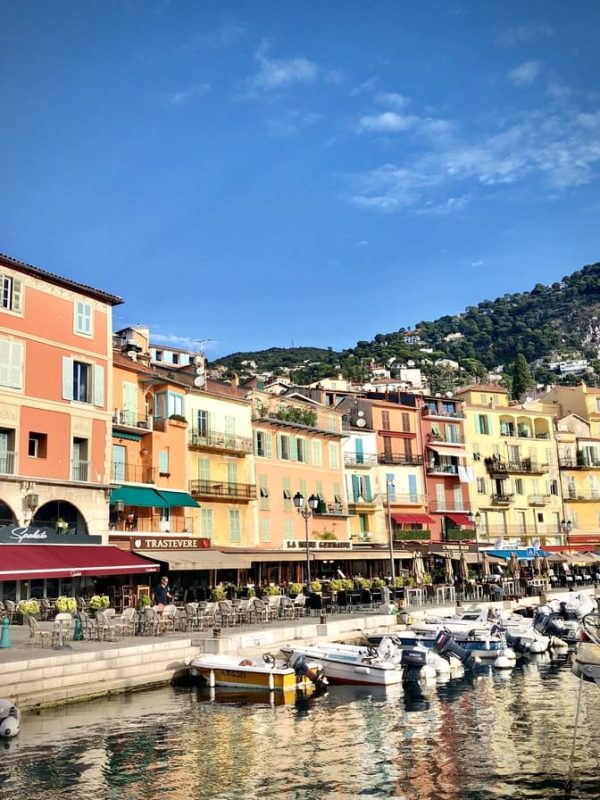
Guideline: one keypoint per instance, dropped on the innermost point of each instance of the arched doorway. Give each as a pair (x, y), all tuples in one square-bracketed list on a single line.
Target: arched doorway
[(6, 515), (62, 516)]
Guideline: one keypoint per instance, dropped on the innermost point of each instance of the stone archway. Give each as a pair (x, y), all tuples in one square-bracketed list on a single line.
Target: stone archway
[(62, 516), (7, 516)]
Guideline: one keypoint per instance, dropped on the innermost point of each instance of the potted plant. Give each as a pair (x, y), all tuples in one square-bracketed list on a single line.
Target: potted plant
[(143, 602), (272, 591), (378, 583), (294, 589), (218, 594), (336, 585), (66, 605), (99, 602), (316, 586), (28, 608)]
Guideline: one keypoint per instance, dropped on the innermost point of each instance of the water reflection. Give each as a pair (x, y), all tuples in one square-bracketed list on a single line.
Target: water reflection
[(489, 735)]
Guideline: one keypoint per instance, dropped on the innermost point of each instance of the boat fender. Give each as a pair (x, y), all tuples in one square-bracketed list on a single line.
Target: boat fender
[(10, 719)]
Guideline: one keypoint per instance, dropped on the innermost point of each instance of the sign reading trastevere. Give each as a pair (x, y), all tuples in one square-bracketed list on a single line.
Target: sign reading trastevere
[(326, 544), (13, 534), (166, 543)]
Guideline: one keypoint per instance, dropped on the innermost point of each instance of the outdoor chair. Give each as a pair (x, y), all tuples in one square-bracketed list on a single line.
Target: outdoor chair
[(207, 615), (9, 609), (244, 610), (108, 628), (287, 608), (300, 605), (36, 634), (153, 624), (226, 613), (192, 621), (89, 626), (129, 621), (261, 610), (169, 618)]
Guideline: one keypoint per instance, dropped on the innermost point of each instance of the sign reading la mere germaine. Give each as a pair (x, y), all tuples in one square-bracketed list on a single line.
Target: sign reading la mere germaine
[(12, 534)]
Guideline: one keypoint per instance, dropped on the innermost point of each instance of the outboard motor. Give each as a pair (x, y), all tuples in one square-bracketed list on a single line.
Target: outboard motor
[(10, 719), (444, 645), (314, 674), (515, 642)]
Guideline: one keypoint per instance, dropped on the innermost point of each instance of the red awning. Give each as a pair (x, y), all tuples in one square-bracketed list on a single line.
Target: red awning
[(402, 518), (460, 519), (28, 561), (418, 519)]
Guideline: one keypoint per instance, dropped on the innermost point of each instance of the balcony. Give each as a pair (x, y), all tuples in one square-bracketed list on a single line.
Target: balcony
[(360, 459), (502, 499), (325, 509), (132, 473), (80, 470), (539, 499), (442, 469), (582, 496), (436, 438), (433, 413), (400, 460), (366, 502), (399, 499), (524, 433), (223, 490), (407, 534), (219, 442), (129, 420), (570, 463), (525, 466), (8, 461), (152, 524), (447, 506)]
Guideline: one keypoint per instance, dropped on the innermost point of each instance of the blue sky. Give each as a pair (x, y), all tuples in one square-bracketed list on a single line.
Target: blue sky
[(275, 173)]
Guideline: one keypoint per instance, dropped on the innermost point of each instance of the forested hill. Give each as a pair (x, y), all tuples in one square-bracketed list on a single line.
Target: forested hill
[(555, 322)]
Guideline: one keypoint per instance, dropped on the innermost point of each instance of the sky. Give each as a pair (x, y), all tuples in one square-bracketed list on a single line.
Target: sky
[(268, 174)]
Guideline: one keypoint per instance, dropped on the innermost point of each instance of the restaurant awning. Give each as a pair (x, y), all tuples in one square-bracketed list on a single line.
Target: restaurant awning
[(448, 451), (29, 561), (134, 437), (460, 519), (198, 559), (412, 519), (403, 518), (178, 499), (287, 556), (522, 555), (141, 496), (423, 519)]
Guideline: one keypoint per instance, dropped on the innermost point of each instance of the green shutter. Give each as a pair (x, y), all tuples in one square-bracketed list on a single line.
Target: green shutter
[(369, 496), (268, 445)]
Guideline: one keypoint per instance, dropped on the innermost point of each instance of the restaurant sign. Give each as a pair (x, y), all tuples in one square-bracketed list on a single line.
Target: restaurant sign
[(168, 543), (13, 534), (325, 544)]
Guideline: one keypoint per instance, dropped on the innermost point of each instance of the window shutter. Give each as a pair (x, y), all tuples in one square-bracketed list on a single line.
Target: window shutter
[(67, 378), (16, 295), (355, 488), (5, 363), (368, 495), (268, 445), (98, 385), (293, 448)]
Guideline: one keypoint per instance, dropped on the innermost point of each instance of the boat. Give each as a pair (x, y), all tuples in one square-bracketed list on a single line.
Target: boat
[(10, 719), (418, 662), (486, 642), (260, 672), (586, 660), (348, 664)]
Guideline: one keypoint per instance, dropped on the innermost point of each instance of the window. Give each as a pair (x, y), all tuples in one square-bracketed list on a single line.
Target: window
[(175, 358), (168, 403), (480, 485), (405, 422), (453, 433), (361, 489), (7, 451), (235, 526), (206, 522), (287, 494), (334, 455), (82, 382), (385, 420), (262, 444), (202, 423), (163, 463), (232, 472), (80, 463), (11, 364), (288, 528), (483, 424), (83, 318), (10, 293), (283, 443), (317, 453), (302, 449), (119, 462), (412, 488), (263, 492), (519, 486), (38, 445)]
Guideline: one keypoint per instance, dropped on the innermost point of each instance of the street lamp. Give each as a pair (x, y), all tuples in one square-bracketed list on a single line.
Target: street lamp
[(390, 488), (474, 519), (306, 512), (566, 526)]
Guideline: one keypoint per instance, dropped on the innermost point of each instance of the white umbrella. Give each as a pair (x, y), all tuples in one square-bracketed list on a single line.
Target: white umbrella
[(463, 570), (537, 565), (418, 568), (448, 570), (485, 565), (545, 565), (513, 565)]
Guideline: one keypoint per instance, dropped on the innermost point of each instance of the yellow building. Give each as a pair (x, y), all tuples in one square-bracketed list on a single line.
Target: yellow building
[(577, 409), (515, 488)]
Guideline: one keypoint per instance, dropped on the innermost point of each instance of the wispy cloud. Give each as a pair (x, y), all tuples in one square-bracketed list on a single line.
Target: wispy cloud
[(292, 122), (183, 342), (366, 87), (525, 74), (279, 73), (392, 100), (478, 263), (392, 122), (558, 148), (522, 34), (186, 95)]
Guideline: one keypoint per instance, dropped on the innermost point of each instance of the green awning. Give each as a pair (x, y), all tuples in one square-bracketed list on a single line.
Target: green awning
[(177, 499), (135, 437), (138, 496)]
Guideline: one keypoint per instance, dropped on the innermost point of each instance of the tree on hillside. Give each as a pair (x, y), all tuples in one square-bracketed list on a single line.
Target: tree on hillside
[(521, 378)]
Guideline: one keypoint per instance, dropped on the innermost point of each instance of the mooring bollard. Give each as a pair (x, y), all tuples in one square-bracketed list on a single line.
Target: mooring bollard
[(5, 637)]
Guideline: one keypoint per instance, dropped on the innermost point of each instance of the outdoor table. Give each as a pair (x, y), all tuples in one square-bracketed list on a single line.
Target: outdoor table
[(445, 595), (414, 596)]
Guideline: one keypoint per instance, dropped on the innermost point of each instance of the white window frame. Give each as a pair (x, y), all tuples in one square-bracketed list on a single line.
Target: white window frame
[(11, 294)]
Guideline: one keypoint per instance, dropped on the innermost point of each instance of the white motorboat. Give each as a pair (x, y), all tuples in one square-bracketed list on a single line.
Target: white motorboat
[(348, 664), (261, 672)]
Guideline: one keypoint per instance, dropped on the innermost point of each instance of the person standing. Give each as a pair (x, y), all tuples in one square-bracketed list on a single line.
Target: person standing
[(162, 595)]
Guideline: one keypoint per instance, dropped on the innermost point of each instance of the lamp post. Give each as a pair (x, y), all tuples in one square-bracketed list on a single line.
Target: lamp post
[(474, 520), (566, 526), (306, 512), (390, 488)]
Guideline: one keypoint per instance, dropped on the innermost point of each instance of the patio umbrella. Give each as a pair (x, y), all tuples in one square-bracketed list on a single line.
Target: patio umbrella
[(485, 565), (448, 570), (513, 565), (545, 566), (463, 570), (418, 568), (537, 565)]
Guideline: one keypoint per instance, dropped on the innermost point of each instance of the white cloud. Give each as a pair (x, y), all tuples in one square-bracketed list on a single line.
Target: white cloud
[(525, 74), (276, 74), (183, 342), (184, 96), (478, 263), (392, 122), (366, 87), (392, 99)]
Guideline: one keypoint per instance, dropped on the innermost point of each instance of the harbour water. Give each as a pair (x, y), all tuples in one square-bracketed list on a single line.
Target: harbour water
[(499, 735)]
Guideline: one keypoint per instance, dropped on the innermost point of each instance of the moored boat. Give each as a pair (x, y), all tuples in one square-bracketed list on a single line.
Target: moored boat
[(260, 672), (348, 665)]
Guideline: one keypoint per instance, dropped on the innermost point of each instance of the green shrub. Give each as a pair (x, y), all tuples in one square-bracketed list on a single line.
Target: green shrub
[(218, 594), (336, 585), (271, 591), (365, 583), (99, 602), (378, 583), (295, 588)]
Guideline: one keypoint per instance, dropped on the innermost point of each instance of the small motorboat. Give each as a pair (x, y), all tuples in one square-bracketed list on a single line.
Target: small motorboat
[(261, 672), (10, 719), (586, 661), (348, 663)]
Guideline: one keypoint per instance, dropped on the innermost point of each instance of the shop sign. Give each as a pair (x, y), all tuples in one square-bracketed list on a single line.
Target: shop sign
[(13, 534), (167, 543), (326, 544)]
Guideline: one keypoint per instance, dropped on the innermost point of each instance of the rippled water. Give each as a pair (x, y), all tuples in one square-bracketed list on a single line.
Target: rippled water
[(495, 736)]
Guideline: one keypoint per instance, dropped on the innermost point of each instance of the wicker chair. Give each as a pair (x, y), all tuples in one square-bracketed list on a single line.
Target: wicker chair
[(36, 634)]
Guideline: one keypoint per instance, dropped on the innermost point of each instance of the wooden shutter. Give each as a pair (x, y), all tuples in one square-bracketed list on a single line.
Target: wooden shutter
[(67, 378), (98, 385)]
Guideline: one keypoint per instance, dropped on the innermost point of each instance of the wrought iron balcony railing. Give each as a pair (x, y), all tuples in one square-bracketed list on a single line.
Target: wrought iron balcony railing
[(124, 418), (80, 470), (400, 459), (223, 489), (8, 461), (215, 440), (360, 459), (132, 473)]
